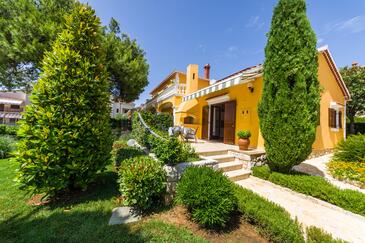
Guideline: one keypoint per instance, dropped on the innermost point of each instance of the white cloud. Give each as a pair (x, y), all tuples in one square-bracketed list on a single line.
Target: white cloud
[(232, 52), (352, 25), (255, 22)]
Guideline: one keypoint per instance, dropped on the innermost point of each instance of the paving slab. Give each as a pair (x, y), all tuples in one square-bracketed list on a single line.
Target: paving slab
[(123, 215), (310, 211)]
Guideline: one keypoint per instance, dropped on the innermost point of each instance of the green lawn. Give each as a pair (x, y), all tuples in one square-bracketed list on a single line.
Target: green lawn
[(81, 219)]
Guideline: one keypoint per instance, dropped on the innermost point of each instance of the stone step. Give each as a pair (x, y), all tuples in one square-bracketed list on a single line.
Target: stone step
[(238, 175), (213, 153), (222, 158), (230, 166)]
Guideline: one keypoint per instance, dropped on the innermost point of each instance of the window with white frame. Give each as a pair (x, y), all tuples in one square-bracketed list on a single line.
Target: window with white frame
[(334, 117)]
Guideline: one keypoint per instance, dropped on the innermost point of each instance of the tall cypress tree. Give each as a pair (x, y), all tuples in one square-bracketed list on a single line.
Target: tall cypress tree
[(65, 131), (289, 108)]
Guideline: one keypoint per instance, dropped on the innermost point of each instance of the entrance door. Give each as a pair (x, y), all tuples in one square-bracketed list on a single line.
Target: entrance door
[(229, 122), (205, 121)]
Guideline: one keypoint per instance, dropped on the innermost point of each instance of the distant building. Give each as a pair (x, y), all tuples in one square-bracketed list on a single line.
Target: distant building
[(12, 103), (120, 108)]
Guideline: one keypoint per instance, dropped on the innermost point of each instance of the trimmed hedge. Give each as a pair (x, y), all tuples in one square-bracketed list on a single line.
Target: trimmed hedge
[(317, 187), (208, 196), (271, 220), (142, 182)]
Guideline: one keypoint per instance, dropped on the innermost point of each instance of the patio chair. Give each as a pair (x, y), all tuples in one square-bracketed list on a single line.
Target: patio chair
[(189, 133)]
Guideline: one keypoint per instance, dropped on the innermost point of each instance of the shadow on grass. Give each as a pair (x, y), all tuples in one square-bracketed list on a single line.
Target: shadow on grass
[(72, 226), (105, 187)]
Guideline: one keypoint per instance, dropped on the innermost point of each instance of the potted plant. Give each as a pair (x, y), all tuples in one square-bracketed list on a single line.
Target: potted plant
[(244, 139)]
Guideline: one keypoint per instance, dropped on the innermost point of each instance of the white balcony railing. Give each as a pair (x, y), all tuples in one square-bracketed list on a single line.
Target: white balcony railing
[(173, 90)]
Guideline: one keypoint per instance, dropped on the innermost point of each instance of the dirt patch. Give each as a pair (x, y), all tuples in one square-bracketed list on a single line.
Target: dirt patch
[(36, 200), (239, 230)]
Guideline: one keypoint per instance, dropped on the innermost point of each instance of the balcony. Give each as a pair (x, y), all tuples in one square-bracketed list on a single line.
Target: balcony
[(11, 110), (169, 91)]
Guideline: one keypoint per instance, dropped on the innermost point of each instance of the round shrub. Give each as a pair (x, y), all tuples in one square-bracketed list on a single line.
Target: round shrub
[(208, 196), (142, 182), (7, 145)]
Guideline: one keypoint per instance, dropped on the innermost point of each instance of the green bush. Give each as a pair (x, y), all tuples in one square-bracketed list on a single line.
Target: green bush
[(66, 137), (289, 106), (121, 151), (142, 182), (271, 220), (171, 151), (158, 121), (351, 150), (8, 130), (7, 146), (317, 235), (208, 196), (317, 187), (139, 132)]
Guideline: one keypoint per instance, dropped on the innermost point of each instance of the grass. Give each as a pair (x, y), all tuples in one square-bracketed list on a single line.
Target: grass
[(82, 218), (271, 220), (317, 187)]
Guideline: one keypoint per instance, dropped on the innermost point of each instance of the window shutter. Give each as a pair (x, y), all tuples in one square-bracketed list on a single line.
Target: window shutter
[(332, 118), (329, 117), (340, 119)]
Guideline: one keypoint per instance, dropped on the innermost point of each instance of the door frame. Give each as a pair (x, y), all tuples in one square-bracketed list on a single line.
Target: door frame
[(210, 115)]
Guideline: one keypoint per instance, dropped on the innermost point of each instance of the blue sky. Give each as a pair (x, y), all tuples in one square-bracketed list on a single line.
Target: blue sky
[(230, 34)]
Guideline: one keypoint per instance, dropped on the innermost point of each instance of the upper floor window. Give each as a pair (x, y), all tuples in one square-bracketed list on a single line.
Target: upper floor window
[(15, 107), (193, 75)]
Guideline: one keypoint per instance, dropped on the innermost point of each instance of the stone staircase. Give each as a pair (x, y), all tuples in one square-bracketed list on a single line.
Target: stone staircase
[(234, 168)]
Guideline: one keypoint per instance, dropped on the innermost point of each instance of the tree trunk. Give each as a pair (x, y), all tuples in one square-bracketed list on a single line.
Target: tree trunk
[(352, 125)]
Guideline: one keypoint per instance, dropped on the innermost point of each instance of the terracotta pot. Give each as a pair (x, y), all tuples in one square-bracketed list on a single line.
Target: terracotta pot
[(243, 143)]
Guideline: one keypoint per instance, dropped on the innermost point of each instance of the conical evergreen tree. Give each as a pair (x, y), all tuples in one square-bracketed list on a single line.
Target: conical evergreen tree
[(289, 108), (65, 130)]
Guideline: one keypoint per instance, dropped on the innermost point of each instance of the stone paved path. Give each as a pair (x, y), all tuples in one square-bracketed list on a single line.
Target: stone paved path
[(317, 166), (310, 211)]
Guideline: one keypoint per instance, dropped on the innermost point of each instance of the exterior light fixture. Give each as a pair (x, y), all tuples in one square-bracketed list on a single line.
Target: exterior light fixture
[(250, 87)]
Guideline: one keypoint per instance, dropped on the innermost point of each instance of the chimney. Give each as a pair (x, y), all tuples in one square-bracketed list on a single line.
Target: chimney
[(355, 64), (207, 71)]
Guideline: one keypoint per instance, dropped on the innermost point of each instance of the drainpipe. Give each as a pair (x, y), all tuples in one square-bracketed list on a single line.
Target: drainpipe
[(209, 115), (344, 121)]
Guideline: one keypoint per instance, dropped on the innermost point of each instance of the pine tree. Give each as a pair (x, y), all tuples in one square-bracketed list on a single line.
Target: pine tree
[(65, 130), (289, 108)]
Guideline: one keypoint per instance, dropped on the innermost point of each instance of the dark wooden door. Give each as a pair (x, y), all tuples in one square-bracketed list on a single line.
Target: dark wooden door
[(205, 121), (229, 122)]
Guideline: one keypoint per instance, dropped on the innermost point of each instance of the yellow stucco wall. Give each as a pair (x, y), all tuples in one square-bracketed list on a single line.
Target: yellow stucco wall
[(331, 92), (246, 109)]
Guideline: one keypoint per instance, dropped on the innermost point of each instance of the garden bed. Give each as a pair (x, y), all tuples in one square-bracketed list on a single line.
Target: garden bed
[(240, 231)]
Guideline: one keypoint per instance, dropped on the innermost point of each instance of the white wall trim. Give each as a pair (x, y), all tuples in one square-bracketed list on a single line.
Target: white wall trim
[(219, 99)]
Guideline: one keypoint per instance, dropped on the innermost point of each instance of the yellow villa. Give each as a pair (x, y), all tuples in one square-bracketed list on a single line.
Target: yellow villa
[(218, 110)]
